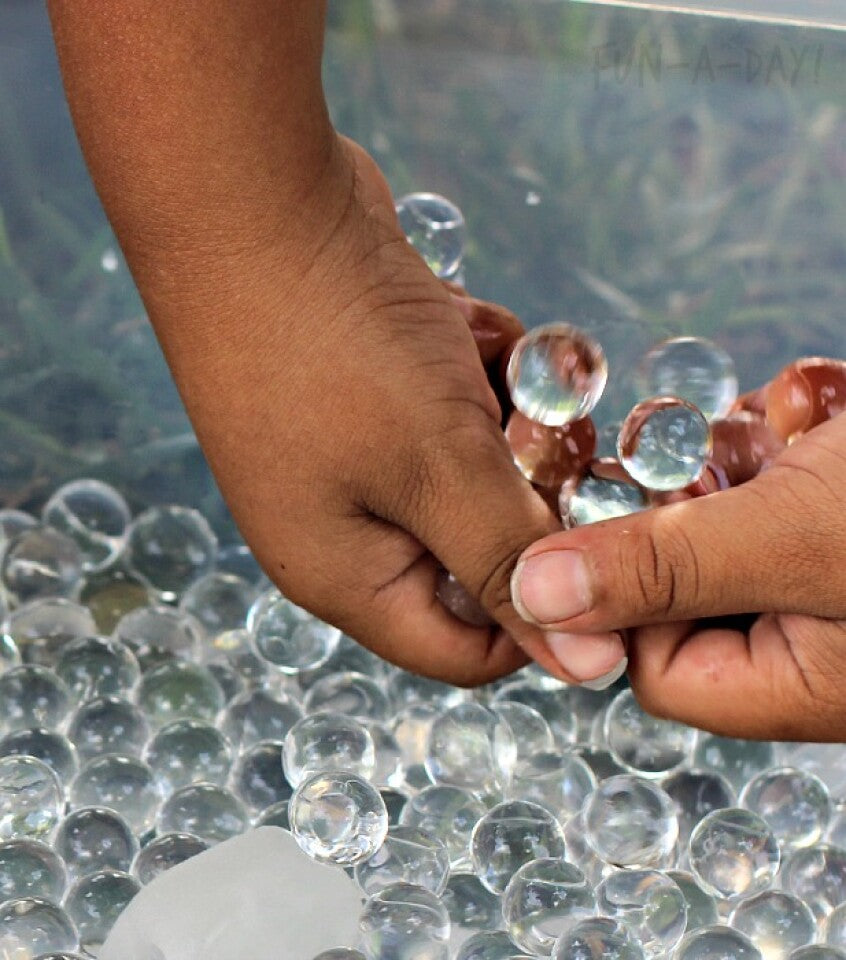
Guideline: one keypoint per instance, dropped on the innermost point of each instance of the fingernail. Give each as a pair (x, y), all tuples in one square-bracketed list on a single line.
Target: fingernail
[(597, 658), (551, 586), (605, 681)]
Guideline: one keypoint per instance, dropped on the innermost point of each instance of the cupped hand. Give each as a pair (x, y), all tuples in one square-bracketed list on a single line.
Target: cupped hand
[(674, 580)]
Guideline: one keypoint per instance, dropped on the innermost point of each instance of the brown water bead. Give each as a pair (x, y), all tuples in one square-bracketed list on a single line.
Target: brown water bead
[(805, 394), (548, 456), (494, 328), (744, 445), (459, 602), (713, 480)]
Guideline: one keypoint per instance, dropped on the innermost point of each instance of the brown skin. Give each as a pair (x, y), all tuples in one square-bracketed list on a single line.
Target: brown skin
[(342, 403)]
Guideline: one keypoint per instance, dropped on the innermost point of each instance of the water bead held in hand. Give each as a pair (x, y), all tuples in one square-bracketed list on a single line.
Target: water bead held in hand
[(776, 922), (95, 902), (30, 868), (404, 921), (795, 804), (457, 599), (664, 443), (692, 368), (543, 900), (744, 445), (124, 784), (646, 745), (290, 637), (547, 456), (733, 853), (817, 875), (649, 904), (630, 821), (165, 852), (604, 492), (717, 943), (435, 227), (327, 741), (40, 562), (94, 838), (95, 516), (32, 799), (407, 854), (338, 818), (597, 938), (30, 926), (805, 394), (556, 374)]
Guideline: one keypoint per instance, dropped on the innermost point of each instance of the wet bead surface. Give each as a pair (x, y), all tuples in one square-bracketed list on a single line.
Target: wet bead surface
[(31, 798), (435, 227)]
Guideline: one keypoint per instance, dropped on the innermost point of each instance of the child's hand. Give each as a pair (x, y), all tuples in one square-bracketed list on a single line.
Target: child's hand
[(775, 546)]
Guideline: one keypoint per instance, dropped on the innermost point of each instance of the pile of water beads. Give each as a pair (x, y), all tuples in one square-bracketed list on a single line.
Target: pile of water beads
[(158, 696)]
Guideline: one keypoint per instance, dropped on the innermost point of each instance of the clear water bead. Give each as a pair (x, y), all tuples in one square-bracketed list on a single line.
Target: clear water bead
[(188, 751), (290, 637), (351, 694), (435, 227), (327, 741), (95, 667), (560, 782), (32, 696), (111, 595), (13, 522), (717, 943), (649, 904), (338, 818), (160, 634), (528, 727), (509, 835), (696, 793), (30, 926), (630, 821), (41, 627), (470, 905), (816, 951), (49, 746), (124, 784), (108, 725), (166, 851), (340, 953), (179, 690), (644, 744), (733, 853), (258, 778), (556, 374), (94, 838), (795, 804), (489, 945), (209, 812), (407, 854), (31, 798), (95, 516), (260, 715), (776, 922), (233, 649), (694, 369), (220, 601), (388, 773), (593, 498), (543, 900), (29, 868), (169, 548), (95, 902), (701, 906), (470, 746), (835, 927), (817, 875), (737, 760), (276, 816), (664, 443), (449, 813), (40, 562), (597, 938), (404, 922)]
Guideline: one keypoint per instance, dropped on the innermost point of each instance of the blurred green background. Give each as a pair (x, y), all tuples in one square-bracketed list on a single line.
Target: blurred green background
[(638, 174)]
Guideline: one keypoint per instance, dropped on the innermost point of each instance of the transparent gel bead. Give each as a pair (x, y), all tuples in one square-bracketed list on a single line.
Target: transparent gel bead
[(449, 813), (649, 904), (29, 868), (560, 782), (258, 778), (835, 927), (528, 728), (95, 667), (817, 951), (260, 715), (776, 922), (95, 516), (32, 696), (817, 875), (407, 854), (470, 746), (597, 938), (696, 793), (124, 784), (233, 650), (550, 702), (212, 813), (40, 562), (694, 369), (388, 772), (701, 906), (404, 922), (435, 227), (410, 728), (179, 690), (291, 638), (160, 634), (108, 725), (169, 548), (220, 601), (166, 851), (351, 694), (188, 751), (556, 374), (737, 760), (91, 839), (490, 945), (593, 498), (13, 522), (276, 816), (664, 443), (460, 602), (795, 804), (10, 656), (509, 835), (110, 595), (717, 943), (470, 905), (407, 689), (733, 853), (580, 852), (31, 798), (95, 902), (327, 741), (644, 744), (49, 746), (340, 953), (543, 900), (630, 821), (30, 926), (338, 817)]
